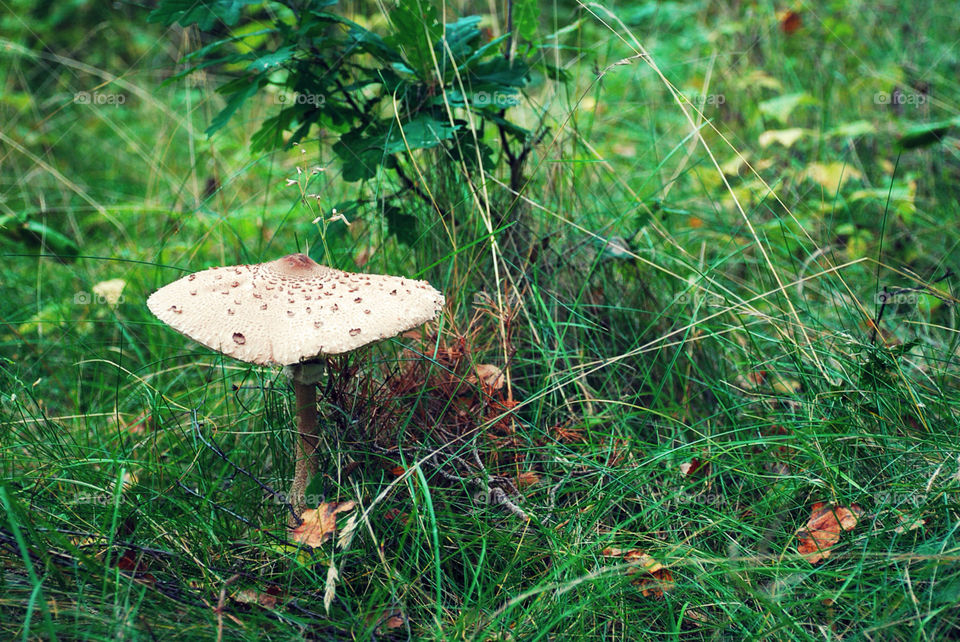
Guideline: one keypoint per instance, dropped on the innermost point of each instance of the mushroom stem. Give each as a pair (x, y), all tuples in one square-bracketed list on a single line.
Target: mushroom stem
[(307, 441)]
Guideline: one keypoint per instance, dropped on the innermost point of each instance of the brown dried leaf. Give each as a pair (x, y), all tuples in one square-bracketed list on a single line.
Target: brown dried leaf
[(655, 580), (656, 584), (823, 529), (319, 523), (490, 375), (908, 523), (253, 596), (395, 621), (695, 465)]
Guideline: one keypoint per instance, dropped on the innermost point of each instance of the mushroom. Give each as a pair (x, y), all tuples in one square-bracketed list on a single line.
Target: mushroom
[(289, 312)]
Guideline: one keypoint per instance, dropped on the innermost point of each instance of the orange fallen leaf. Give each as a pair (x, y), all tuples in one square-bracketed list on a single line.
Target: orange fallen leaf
[(319, 523), (790, 21), (657, 584), (823, 529)]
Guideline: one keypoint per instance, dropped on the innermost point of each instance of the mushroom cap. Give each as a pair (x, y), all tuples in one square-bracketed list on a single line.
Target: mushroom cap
[(291, 309)]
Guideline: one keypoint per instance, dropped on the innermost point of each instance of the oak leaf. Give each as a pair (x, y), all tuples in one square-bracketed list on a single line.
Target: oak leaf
[(823, 529), (319, 523)]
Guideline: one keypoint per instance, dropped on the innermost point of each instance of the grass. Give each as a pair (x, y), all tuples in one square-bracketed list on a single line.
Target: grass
[(657, 305)]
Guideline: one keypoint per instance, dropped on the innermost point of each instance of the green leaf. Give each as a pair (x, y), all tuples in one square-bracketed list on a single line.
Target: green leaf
[(498, 74), (51, 240), (276, 58), (422, 132), (781, 107), (416, 29), (359, 160), (526, 14), (926, 134), (465, 150), (205, 14), (233, 104), (459, 35), (401, 225), (372, 44), (270, 135), (853, 130)]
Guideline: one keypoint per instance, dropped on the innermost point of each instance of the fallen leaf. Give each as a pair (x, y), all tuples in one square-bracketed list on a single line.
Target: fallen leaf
[(786, 386), (395, 621), (319, 523), (908, 523), (790, 21), (253, 596), (733, 166), (656, 578), (823, 529), (696, 464), (657, 584), (490, 375)]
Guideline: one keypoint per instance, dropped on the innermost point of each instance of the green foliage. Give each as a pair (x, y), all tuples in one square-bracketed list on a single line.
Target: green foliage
[(204, 14), (385, 97)]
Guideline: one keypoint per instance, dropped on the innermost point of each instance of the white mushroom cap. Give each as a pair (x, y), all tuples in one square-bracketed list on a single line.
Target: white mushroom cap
[(291, 309)]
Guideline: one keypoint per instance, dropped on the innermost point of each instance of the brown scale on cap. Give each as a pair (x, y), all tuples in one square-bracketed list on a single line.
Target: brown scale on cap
[(283, 328)]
